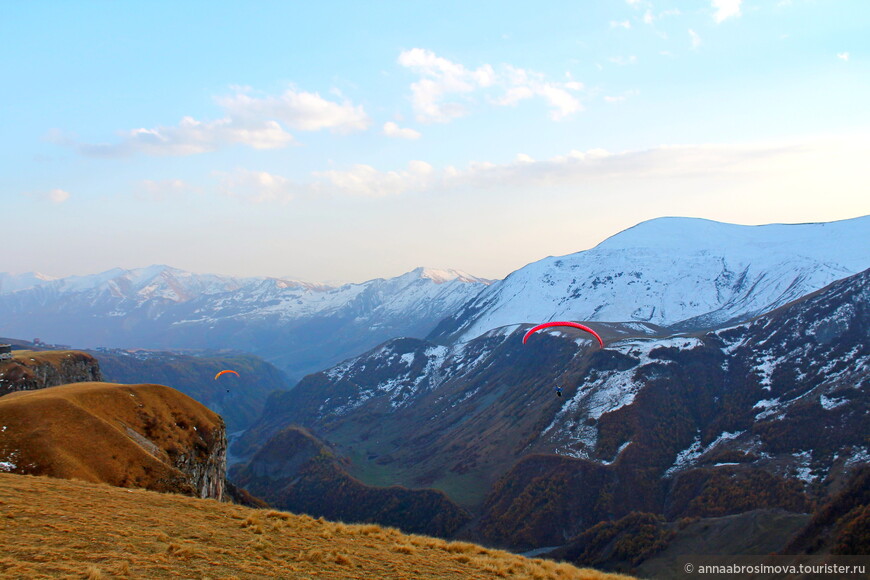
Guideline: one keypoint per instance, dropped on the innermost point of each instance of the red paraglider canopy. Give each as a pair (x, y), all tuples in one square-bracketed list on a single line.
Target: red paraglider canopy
[(572, 324), (225, 372)]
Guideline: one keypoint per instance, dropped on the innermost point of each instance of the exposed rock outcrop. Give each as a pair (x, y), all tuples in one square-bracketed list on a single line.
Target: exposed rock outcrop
[(30, 370)]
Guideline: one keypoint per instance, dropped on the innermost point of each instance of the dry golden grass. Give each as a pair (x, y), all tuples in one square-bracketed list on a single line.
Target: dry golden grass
[(54, 357), (103, 432), (74, 529)]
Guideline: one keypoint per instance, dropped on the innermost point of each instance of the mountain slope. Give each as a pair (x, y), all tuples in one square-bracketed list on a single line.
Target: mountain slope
[(683, 272), (296, 472), (147, 436), (768, 414)]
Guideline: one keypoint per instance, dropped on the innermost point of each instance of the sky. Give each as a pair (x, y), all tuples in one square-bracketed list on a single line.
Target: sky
[(345, 141)]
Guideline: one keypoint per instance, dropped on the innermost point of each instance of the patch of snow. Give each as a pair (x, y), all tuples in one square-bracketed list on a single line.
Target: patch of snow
[(688, 456), (618, 453), (765, 367), (859, 455), (829, 403), (7, 466), (768, 407)]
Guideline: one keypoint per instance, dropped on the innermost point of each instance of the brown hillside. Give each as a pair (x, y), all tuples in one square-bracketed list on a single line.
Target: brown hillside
[(148, 436), (31, 369), (57, 528)]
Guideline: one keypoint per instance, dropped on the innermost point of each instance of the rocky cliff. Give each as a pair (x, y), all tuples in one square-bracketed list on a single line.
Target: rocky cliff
[(29, 370)]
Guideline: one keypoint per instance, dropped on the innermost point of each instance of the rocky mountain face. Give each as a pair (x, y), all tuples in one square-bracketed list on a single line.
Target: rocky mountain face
[(770, 414), (296, 472), (298, 326), (684, 273), (30, 370), (147, 436)]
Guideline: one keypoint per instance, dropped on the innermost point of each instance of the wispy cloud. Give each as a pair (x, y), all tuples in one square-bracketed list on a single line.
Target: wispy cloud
[(442, 78), (616, 99), (447, 90), (297, 110), (393, 130), (164, 189), (259, 186), (56, 196), (843, 56), (726, 9), (623, 60), (366, 181), (620, 24), (575, 168), (190, 137), (695, 39), (250, 121)]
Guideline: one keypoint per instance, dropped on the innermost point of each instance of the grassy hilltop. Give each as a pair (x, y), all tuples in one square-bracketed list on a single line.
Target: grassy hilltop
[(52, 527)]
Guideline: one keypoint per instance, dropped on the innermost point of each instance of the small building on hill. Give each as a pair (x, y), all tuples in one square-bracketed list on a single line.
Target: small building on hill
[(5, 351)]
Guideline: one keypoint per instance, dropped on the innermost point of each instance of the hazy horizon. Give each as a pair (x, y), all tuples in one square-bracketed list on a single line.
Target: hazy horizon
[(344, 142)]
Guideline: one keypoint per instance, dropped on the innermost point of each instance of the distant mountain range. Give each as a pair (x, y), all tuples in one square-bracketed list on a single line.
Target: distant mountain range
[(301, 327), (683, 273)]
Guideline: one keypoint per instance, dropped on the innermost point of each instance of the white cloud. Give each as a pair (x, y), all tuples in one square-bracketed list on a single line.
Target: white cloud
[(441, 78), (648, 17), (250, 121), (298, 110), (447, 89), (843, 56), (726, 9), (696, 40), (393, 130), (623, 24)]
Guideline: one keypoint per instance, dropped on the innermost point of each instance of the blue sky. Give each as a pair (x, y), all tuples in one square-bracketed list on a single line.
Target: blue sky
[(348, 140)]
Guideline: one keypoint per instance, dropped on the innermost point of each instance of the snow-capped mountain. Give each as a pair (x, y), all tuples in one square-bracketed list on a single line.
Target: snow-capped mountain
[(679, 272), (768, 414), (136, 286), (301, 327)]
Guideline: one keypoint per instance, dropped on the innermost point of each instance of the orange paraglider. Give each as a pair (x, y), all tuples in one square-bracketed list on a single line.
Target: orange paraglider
[(225, 372)]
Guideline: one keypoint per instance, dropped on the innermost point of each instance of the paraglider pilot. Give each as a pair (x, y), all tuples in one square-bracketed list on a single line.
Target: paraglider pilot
[(558, 391)]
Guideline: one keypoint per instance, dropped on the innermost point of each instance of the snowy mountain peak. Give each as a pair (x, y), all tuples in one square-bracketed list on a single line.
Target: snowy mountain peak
[(673, 271), (440, 276), (813, 240)]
